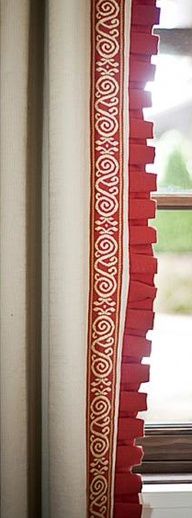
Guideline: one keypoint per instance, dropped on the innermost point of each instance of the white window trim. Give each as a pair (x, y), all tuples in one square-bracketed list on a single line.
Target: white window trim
[(167, 501)]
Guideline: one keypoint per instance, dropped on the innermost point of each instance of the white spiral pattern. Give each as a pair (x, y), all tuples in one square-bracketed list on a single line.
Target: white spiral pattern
[(107, 28), (106, 232)]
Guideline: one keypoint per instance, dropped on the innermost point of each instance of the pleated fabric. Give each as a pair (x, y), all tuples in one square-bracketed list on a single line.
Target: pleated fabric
[(142, 291), (122, 265)]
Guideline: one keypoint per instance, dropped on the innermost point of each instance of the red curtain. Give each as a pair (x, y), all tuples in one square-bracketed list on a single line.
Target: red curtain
[(114, 399)]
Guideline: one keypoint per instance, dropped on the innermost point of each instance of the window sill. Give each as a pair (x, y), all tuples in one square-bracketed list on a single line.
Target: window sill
[(163, 500), (167, 488), (167, 479)]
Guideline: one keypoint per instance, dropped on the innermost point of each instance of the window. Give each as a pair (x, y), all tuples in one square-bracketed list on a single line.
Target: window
[(168, 441)]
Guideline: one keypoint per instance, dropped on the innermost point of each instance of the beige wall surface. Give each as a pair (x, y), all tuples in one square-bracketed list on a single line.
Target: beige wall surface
[(13, 107)]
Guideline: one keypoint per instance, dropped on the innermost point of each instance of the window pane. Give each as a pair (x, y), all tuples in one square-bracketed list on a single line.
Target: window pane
[(172, 98), (172, 115), (170, 388)]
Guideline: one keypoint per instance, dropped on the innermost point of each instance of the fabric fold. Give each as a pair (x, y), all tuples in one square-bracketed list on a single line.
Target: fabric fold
[(142, 264), (122, 265)]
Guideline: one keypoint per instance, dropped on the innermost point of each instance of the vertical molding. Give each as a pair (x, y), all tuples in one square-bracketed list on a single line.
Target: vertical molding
[(33, 240), (69, 55), (45, 284), (13, 390)]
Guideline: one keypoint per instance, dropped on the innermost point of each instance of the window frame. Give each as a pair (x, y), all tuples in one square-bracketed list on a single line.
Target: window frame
[(176, 440), (168, 452), (173, 201), (167, 447)]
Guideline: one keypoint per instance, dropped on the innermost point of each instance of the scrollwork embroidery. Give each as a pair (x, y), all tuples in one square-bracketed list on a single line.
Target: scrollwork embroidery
[(106, 235)]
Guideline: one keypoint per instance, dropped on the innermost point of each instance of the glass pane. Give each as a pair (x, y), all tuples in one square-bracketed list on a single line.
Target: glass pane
[(175, 13), (172, 99), (170, 388)]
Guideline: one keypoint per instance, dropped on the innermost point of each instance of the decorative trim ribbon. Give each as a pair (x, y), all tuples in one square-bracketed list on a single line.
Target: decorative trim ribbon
[(114, 368)]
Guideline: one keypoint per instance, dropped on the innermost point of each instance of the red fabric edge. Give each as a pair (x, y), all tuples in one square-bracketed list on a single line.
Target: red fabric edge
[(143, 266)]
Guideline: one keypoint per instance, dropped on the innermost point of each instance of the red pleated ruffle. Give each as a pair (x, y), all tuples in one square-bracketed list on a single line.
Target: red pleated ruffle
[(143, 265)]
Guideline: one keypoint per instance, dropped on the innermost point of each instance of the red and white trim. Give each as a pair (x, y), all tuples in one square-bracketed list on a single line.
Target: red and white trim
[(122, 265), (106, 241)]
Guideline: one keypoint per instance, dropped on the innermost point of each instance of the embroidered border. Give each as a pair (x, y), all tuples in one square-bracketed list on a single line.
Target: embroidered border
[(107, 63)]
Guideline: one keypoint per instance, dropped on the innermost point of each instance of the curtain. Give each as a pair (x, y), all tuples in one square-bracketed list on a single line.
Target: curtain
[(77, 265)]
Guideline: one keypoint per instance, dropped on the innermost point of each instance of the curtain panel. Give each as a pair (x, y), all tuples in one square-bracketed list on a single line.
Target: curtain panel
[(77, 264)]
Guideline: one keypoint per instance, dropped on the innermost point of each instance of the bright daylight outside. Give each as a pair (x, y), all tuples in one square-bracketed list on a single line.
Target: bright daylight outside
[(170, 388)]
